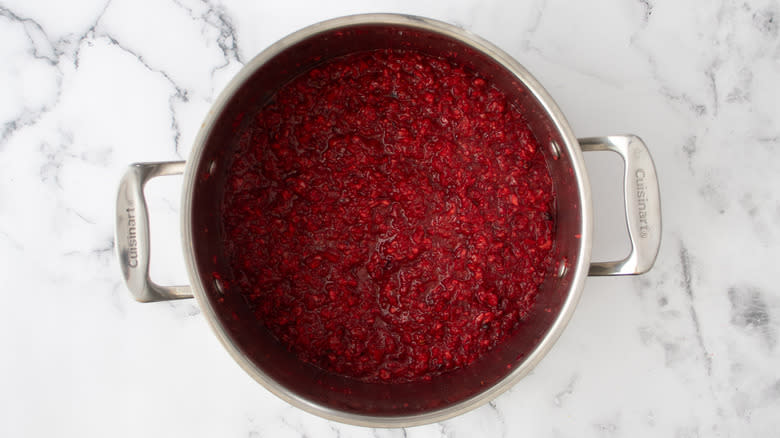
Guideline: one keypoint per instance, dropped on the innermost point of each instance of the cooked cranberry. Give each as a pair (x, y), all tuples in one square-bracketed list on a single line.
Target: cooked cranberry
[(388, 216)]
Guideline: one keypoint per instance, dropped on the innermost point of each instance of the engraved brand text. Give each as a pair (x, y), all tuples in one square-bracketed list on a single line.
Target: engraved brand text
[(132, 240), (641, 197)]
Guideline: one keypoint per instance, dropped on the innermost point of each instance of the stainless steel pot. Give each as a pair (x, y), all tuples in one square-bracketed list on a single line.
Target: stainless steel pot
[(339, 398)]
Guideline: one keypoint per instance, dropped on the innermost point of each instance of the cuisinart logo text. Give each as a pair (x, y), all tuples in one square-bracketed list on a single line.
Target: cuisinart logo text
[(641, 196), (132, 240)]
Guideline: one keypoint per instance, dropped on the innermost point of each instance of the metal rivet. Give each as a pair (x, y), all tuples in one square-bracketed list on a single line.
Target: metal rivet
[(219, 287), (556, 150), (563, 266)]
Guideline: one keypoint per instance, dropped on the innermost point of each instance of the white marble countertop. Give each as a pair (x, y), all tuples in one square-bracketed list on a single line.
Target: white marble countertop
[(688, 350)]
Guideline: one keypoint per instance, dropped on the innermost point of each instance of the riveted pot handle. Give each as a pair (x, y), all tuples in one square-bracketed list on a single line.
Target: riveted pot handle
[(132, 232), (642, 202)]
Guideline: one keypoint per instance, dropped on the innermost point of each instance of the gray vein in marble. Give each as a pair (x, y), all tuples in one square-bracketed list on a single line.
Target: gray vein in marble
[(31, 26), (118, 295), (755, 209), (527, 45), (291, 426), (11, 241), (567, 390), (765, 20), (54, 157), (89, 33), (52, 52), (58, 50), (713, 195), (542, 54), (499, 416), (534, 26), (25, 119), (103, 254), (685, 263), (181, 94), (335, 429), (648, 9), (217, 17), (689, 147), (35, 34), (80, 216), (392, 432), (184, 308), (170, 205), (750, 312), (252, 429), (108, 249), (697, 108), (710, 74), (741, 92), (445, 431)]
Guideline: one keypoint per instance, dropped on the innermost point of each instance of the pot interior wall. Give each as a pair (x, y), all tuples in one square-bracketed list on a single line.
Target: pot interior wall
[(272, 360)]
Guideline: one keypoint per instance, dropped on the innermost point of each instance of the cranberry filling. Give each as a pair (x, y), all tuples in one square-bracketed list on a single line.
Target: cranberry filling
[(388, 216)]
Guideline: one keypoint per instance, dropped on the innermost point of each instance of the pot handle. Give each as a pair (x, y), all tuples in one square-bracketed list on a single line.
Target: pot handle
[(132, 232), (642, 202)]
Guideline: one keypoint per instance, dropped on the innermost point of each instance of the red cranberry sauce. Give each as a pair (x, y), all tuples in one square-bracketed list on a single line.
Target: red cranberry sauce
[(388, 216)]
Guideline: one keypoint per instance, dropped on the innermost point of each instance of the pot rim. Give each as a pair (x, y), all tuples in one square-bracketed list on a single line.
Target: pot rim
[(580, 176)]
